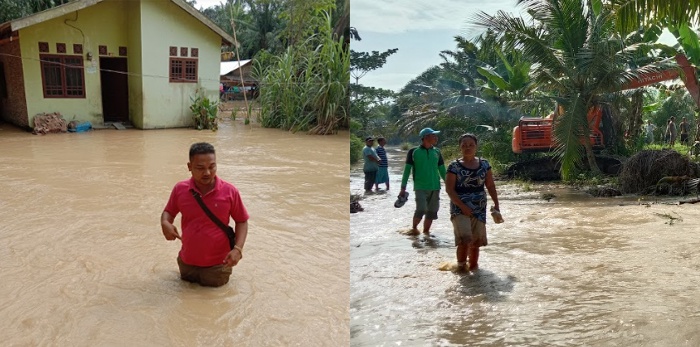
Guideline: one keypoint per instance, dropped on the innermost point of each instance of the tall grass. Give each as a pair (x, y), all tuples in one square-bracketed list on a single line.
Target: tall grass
[(306, 88), (332, 79)]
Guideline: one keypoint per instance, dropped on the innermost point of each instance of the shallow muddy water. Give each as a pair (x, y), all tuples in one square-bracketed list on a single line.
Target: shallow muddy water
[(571, 271), (83, 261)]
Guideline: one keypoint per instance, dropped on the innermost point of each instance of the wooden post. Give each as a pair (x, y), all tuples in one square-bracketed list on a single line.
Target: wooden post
[(240, 71)]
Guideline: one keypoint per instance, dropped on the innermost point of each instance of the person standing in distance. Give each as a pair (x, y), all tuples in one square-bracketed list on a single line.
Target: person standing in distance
[(371, 165), (671, 131), (206, 256), (425, 164), (383, 172), (649, 128), (685, 131)]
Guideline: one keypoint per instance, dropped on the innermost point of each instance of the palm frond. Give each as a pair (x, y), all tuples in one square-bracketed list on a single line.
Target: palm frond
[(569, 131)]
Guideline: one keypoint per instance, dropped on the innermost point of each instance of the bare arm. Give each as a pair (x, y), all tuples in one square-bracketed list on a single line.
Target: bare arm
[(241, 233), (236, 254), (450, 181), (169, 230), (491, 187)]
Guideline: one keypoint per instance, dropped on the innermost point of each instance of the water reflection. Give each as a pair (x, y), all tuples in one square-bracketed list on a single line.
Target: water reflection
[(84, 262), (570, 271)]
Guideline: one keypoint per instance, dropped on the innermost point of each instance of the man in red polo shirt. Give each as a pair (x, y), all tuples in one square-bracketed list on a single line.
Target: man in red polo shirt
[(206, 256)]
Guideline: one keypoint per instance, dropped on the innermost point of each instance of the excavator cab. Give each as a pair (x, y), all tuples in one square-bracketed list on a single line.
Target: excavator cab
[(535, 134)]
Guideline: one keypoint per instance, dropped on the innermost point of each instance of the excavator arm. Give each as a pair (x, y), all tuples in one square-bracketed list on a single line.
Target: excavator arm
[(685, 71)]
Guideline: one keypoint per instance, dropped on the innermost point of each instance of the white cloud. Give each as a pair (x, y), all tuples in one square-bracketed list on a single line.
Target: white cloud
[(397, 16), (207, 3)]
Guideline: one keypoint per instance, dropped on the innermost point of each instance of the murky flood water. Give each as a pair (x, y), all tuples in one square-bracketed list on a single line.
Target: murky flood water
[(83, 261), (571, 271)]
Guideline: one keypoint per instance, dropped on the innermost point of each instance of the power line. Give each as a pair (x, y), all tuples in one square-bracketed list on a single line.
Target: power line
[(133, 74)]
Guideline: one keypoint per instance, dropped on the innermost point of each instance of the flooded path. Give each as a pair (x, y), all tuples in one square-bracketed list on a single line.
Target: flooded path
[(83, 261), (571, 271)]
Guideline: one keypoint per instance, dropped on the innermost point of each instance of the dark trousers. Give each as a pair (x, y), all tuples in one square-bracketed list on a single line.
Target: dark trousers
[(370, 178), (213, 276)]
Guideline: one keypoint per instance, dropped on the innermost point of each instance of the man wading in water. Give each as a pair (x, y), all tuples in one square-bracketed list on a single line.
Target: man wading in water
[(425, 161), (206, 256)]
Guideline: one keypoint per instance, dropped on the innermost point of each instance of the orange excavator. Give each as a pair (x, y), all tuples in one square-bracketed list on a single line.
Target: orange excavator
[(535, 134)]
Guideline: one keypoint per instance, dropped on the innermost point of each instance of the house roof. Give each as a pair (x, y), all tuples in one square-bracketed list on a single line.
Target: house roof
[(7, 28), (228, 66)]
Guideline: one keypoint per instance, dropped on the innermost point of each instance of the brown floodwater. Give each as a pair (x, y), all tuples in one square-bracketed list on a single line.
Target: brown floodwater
[(571, 271), (83, 261)]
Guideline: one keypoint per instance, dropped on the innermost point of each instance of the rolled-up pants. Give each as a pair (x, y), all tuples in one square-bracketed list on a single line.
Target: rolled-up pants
[(427, 204)]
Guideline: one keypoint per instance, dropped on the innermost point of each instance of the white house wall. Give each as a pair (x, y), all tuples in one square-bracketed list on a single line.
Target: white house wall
[(164, 24), (102, 24), (134, 64)]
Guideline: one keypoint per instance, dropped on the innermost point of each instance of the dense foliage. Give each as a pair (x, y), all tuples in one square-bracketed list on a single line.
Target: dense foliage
[(572, 53)]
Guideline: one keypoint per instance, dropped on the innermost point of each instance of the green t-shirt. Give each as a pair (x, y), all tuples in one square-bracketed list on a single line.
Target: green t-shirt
[(427, 167), (370, 165)]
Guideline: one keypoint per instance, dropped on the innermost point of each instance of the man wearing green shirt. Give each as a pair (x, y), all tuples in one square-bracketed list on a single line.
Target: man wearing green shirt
[(427, 166)]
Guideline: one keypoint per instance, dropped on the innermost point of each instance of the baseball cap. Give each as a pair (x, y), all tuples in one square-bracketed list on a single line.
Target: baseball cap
[(427, 131), (369, 138)]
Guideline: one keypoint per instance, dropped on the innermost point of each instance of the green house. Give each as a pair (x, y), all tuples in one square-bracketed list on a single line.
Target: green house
[(109, 61)]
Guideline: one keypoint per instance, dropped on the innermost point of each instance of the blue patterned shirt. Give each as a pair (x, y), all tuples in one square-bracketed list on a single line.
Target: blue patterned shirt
[(381, 152), (469, 186)]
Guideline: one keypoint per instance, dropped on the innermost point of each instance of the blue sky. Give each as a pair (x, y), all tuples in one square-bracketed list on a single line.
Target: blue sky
[(419, 29)]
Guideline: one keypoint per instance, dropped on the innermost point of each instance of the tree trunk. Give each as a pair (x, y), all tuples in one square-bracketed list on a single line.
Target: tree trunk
[(592, 164), (635, 117)]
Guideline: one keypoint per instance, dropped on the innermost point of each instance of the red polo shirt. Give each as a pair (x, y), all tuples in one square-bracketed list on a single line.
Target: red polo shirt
[(203, 242)]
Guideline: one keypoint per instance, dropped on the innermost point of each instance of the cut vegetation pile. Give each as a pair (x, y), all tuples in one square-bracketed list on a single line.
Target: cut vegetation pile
[(644, 170), (45, 123)]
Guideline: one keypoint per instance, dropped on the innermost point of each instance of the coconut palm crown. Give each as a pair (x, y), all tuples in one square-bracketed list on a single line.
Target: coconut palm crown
[(577, 56)]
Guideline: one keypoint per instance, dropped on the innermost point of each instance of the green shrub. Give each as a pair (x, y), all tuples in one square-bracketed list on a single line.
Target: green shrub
[(204, 112), (356, 146)]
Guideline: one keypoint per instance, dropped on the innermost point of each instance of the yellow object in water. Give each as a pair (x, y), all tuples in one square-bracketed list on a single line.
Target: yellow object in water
[(448, 266)]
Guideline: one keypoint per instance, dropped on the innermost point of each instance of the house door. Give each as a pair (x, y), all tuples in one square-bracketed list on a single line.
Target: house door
[(115, 89)]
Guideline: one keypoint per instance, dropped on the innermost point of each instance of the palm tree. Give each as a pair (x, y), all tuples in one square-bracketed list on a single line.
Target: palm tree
[(577, 56), (679, 17), (460, 87), (633, 14)]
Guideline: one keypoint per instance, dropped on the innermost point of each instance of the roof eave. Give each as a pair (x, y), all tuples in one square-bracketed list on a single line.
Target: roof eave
[(225, 37), (51, 13), (74, 6)]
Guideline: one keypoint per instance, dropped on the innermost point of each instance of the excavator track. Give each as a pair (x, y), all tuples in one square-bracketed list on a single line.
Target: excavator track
[(547, 168)]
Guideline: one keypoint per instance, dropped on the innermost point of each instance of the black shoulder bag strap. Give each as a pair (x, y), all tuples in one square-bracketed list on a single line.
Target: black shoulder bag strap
[(226, 229)]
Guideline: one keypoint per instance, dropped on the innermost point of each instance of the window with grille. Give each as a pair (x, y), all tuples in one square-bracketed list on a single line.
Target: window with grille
[(183, 70), (62, 76)]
